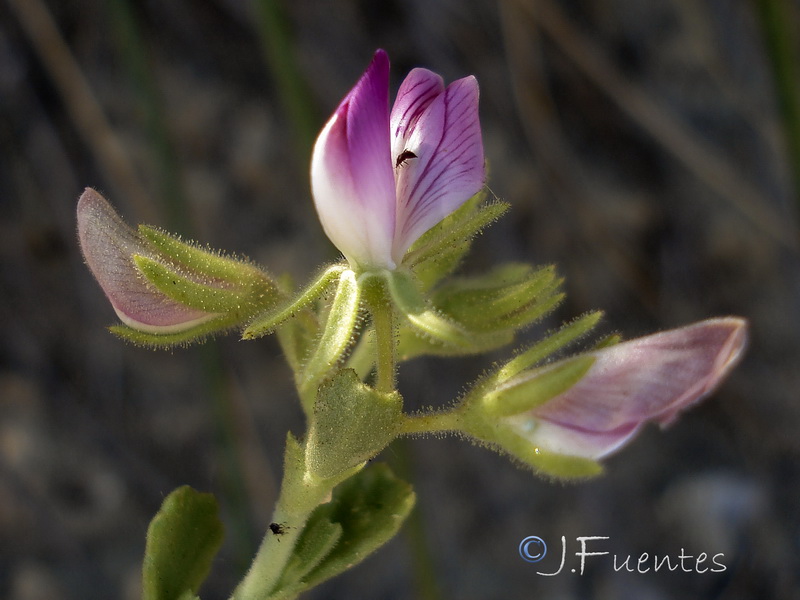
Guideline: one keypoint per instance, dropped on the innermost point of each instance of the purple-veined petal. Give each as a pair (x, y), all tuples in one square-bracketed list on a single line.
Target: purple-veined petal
[(351, 171), (108, 246), (652, 378), (417, 91), (449, 164)]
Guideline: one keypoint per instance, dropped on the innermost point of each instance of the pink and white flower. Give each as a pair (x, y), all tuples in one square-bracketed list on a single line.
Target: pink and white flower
[(380, 179), (648, 379), (109, 246)]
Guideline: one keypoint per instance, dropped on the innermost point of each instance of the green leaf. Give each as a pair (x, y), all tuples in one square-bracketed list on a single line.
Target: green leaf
[(370, 508), (181, 543), (318, 539), (352, 422)]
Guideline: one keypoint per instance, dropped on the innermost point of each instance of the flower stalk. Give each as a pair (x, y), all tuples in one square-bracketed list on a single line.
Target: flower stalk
[(381, 310)]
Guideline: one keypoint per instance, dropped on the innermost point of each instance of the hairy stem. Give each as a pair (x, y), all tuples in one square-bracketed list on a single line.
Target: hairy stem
[(383, 322)]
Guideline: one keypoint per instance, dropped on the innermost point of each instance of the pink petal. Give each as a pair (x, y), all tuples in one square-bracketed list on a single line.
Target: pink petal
[(351, 171), (449, 164), (417, 91), (108, 246), (647, 379)]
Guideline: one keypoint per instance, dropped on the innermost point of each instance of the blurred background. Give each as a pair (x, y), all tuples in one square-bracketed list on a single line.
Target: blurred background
[(649, 149)]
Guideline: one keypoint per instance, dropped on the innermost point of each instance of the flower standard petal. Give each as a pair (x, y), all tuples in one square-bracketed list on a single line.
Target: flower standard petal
[(351, 171), (108, 246), (652, 378), (418, 90), (448, 165)]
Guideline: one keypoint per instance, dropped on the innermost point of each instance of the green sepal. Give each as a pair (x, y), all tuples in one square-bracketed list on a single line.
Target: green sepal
[(351, 423), (267, 322), (440, 249), (509, 297), (297, 336), (181, 338), (608, 341), (434, 269), (232, 300), (362, 358), (202, 260), (547, 463), (182, 540), (534, 388), (503, 438), (368, 509), (411, 305), (337, 333), (411, 345), (546, 348)]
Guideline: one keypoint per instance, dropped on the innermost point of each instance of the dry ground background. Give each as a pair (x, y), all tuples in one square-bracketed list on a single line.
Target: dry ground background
[(643, 150)]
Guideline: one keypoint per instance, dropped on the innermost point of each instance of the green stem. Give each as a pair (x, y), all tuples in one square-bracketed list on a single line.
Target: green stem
[(432, 423), (272, 556), (301, 493), (383, 321)]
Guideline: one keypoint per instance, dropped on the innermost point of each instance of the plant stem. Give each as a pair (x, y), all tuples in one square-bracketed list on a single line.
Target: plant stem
[(432, 423), (385, 339), (272, 556), (383, 322), (300, 495)]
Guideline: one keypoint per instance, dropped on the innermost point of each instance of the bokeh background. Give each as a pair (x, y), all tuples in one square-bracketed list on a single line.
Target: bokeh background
[(650, 149)]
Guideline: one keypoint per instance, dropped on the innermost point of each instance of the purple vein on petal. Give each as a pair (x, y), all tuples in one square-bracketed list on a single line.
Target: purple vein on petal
[(450, 168), (417, 91)]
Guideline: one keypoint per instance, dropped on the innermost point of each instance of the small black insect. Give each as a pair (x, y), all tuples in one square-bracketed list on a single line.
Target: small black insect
[(403, 157), (277, 528)]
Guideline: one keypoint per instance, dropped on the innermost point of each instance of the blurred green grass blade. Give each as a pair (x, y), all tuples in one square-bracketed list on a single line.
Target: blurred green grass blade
[(780, 33), (273, 30), (132, 49)]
